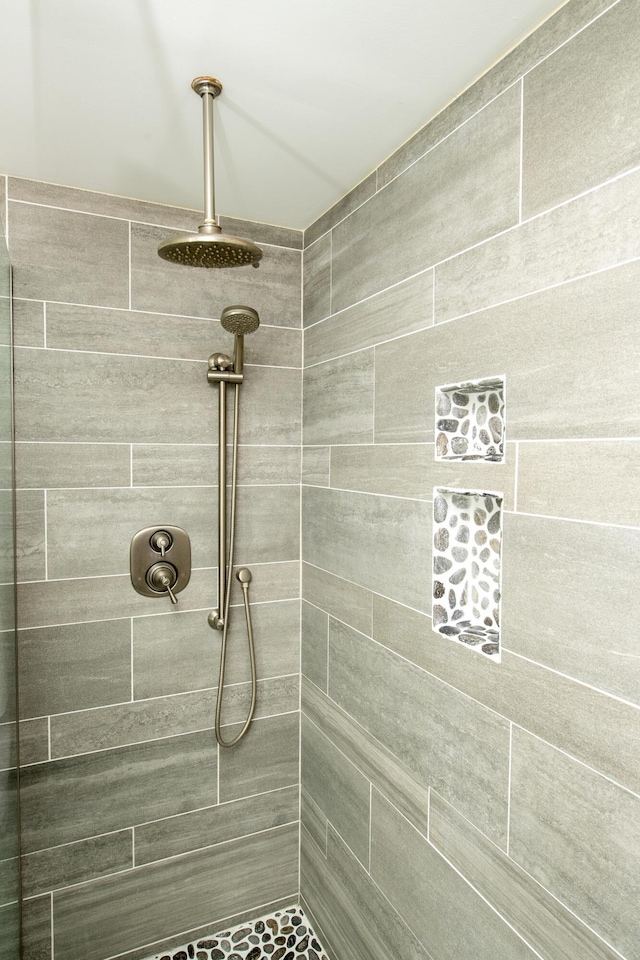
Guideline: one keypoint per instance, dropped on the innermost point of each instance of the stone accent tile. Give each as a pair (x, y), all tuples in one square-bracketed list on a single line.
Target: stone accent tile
[(565, 632), (74, 667), (356, 919), (177, 654), (315, 466), (36, 929), (34, 740), (62, 800), (51, 602), (73, 465), (593, 232), (163, 287), (569, 715), (267, 758), (569, 19), (346, 205), (73, 257), (410, 470), (216, 824), (28, 323), (578, 834), (268, 526), (100, 330), (338, 788), (449, 917), (315, 644), (30, 537), (313, 820), (197, 465), (371, 541), (343, 600), (76, 862), (543, 922), (148, 720), (316, 279), (406, 789), (107, 916), (468, 185), (581, 125), (550, 474), (338, 400), (459, 747), (595, 372), (107, 205), (401, 309)]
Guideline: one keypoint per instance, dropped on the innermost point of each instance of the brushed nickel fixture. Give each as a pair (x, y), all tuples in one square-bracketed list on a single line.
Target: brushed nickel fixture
[(209, 247), (222, 370), (160, 561)]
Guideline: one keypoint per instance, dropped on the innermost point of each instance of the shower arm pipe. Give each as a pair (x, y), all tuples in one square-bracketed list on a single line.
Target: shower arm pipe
[(207, 123)]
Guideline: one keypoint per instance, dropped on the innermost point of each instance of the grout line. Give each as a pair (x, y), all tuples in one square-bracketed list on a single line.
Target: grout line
[(521, 149), (46, 539), (516, 464), (429, 812), (129, 261), (133, 848), (131, 655), (370, 822), (53, 947), (150, 356), (44, 324), (509, 786)]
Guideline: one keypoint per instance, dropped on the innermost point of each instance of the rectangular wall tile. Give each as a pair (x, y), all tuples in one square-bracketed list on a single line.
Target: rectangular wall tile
[(73, 465), (346, 205), (392, 777), (225, 821), (62, 801), (30, 537), (457, 746), (196, 465), (74, 667), (163, 287), (36, 929), (468, 185), (10, 923), (34, 740), (581, 125), (565, 632), (315, 466), (579, 835), (28, 323), (177, 654), (161, 717), (76, 862), (593, 232), (116, 914), (569, 715), (399, 310), (448, 916), (338, 405), (267, 759), (313, 820), (355, 918), (315, 644), (73, 257), (543, 922), (371, 541), (338, 788), (316, 280), (553, 479), (343, 600)]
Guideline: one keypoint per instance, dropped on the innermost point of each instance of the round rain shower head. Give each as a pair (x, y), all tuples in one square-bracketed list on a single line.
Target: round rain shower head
[(239, 320), (210, 247)]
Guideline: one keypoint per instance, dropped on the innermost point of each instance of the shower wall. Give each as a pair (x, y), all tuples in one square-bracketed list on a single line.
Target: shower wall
[(453, 807), (136, 828)]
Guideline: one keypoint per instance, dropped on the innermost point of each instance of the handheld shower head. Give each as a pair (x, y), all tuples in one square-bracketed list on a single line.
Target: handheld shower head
[(239, 320)]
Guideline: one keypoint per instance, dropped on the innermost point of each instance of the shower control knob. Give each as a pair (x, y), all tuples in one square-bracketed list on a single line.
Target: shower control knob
[(162, 577), (161, 541)]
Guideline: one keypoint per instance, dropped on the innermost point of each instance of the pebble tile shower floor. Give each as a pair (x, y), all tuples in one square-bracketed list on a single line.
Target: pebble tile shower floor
[(284, 935)]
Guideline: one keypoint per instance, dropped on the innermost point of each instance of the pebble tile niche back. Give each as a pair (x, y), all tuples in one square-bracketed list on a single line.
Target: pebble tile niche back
[(470, 422)]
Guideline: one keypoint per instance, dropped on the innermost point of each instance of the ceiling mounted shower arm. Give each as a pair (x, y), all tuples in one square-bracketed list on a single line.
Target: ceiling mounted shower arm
[(208, 88)]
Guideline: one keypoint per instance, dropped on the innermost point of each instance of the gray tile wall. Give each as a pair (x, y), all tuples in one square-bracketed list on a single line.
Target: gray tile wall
[(503, 806), (135, 828)]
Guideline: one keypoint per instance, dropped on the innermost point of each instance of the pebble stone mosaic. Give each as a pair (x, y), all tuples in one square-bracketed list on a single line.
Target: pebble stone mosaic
[(467, 542), (284, 935), (470, 421)]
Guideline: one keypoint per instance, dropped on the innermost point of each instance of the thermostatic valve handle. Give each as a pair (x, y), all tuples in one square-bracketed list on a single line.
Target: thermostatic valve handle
[(161, 541), (161, 577)]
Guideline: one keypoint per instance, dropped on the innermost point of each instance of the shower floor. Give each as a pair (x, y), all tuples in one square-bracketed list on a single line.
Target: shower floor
[(283, 935)]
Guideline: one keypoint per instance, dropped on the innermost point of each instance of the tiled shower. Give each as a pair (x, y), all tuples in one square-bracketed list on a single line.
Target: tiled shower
[(442, 805)]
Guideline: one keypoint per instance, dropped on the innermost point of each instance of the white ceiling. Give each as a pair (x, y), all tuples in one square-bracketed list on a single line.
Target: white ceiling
[(96, 93)]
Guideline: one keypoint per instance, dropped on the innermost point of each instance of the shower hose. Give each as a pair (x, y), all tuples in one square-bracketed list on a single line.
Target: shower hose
[(227, 598)]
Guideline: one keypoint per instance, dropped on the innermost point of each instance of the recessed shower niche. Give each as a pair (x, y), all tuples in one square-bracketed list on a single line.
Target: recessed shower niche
[(467, 570), (470, 420)]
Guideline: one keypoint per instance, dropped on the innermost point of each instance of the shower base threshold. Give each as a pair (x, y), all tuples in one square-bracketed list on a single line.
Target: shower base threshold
[(282, 935)]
